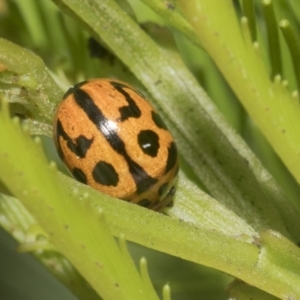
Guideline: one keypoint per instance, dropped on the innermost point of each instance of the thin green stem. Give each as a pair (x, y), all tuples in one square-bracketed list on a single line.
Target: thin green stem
[(273, 38), (248, 9), (295, 7), (166, 292), (292, 41), (34, 22)]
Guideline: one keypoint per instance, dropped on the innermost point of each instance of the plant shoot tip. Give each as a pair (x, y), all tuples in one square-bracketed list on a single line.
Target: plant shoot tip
[(284, 23), (244, 20), (37, 139), (295, 95), (277, 78), (53, 165), (267, 2)]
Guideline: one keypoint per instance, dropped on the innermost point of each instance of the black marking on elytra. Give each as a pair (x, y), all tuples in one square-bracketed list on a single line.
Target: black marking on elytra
[(142, 180), (130, 111), (163, 188), (71, 89), (79, 175), (82, 145), (158, 120), (144, 202), (105, 174), (172, 157), (144, 183), (148, 141), (60, 132), (79, 148)]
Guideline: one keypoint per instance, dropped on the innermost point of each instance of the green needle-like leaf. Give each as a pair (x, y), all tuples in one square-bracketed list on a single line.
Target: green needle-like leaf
[(293, 44), (273, 38), (248, 9)]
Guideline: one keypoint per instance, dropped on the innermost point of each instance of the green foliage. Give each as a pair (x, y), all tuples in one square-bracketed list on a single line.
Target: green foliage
[(229, 212)]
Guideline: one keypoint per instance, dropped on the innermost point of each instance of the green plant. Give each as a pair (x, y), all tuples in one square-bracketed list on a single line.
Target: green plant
[(229, 213)]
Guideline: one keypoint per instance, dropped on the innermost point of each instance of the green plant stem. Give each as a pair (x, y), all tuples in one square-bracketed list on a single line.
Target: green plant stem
[(245, 71), (296, 7), (264, 151), (16, 220), (166, 292), (31, 16), (273, 38), (248, 9), (292, 41)]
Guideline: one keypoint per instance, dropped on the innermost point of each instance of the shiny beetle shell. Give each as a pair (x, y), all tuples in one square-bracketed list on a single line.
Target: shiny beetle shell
[(112, 139)]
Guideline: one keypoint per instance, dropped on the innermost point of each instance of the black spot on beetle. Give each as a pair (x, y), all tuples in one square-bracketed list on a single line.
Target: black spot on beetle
[(130, 111), (144, 184), (148, 141), (144, 202), (79, 175), (105, 174), (158, 121), (172, 157), (82, 145), (79, 147)]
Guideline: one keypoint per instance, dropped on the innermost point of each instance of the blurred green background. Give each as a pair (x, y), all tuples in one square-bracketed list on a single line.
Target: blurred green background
[(39, 26)]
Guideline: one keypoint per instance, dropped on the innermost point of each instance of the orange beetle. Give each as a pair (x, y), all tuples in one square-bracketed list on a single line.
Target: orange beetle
[(112, 139)]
